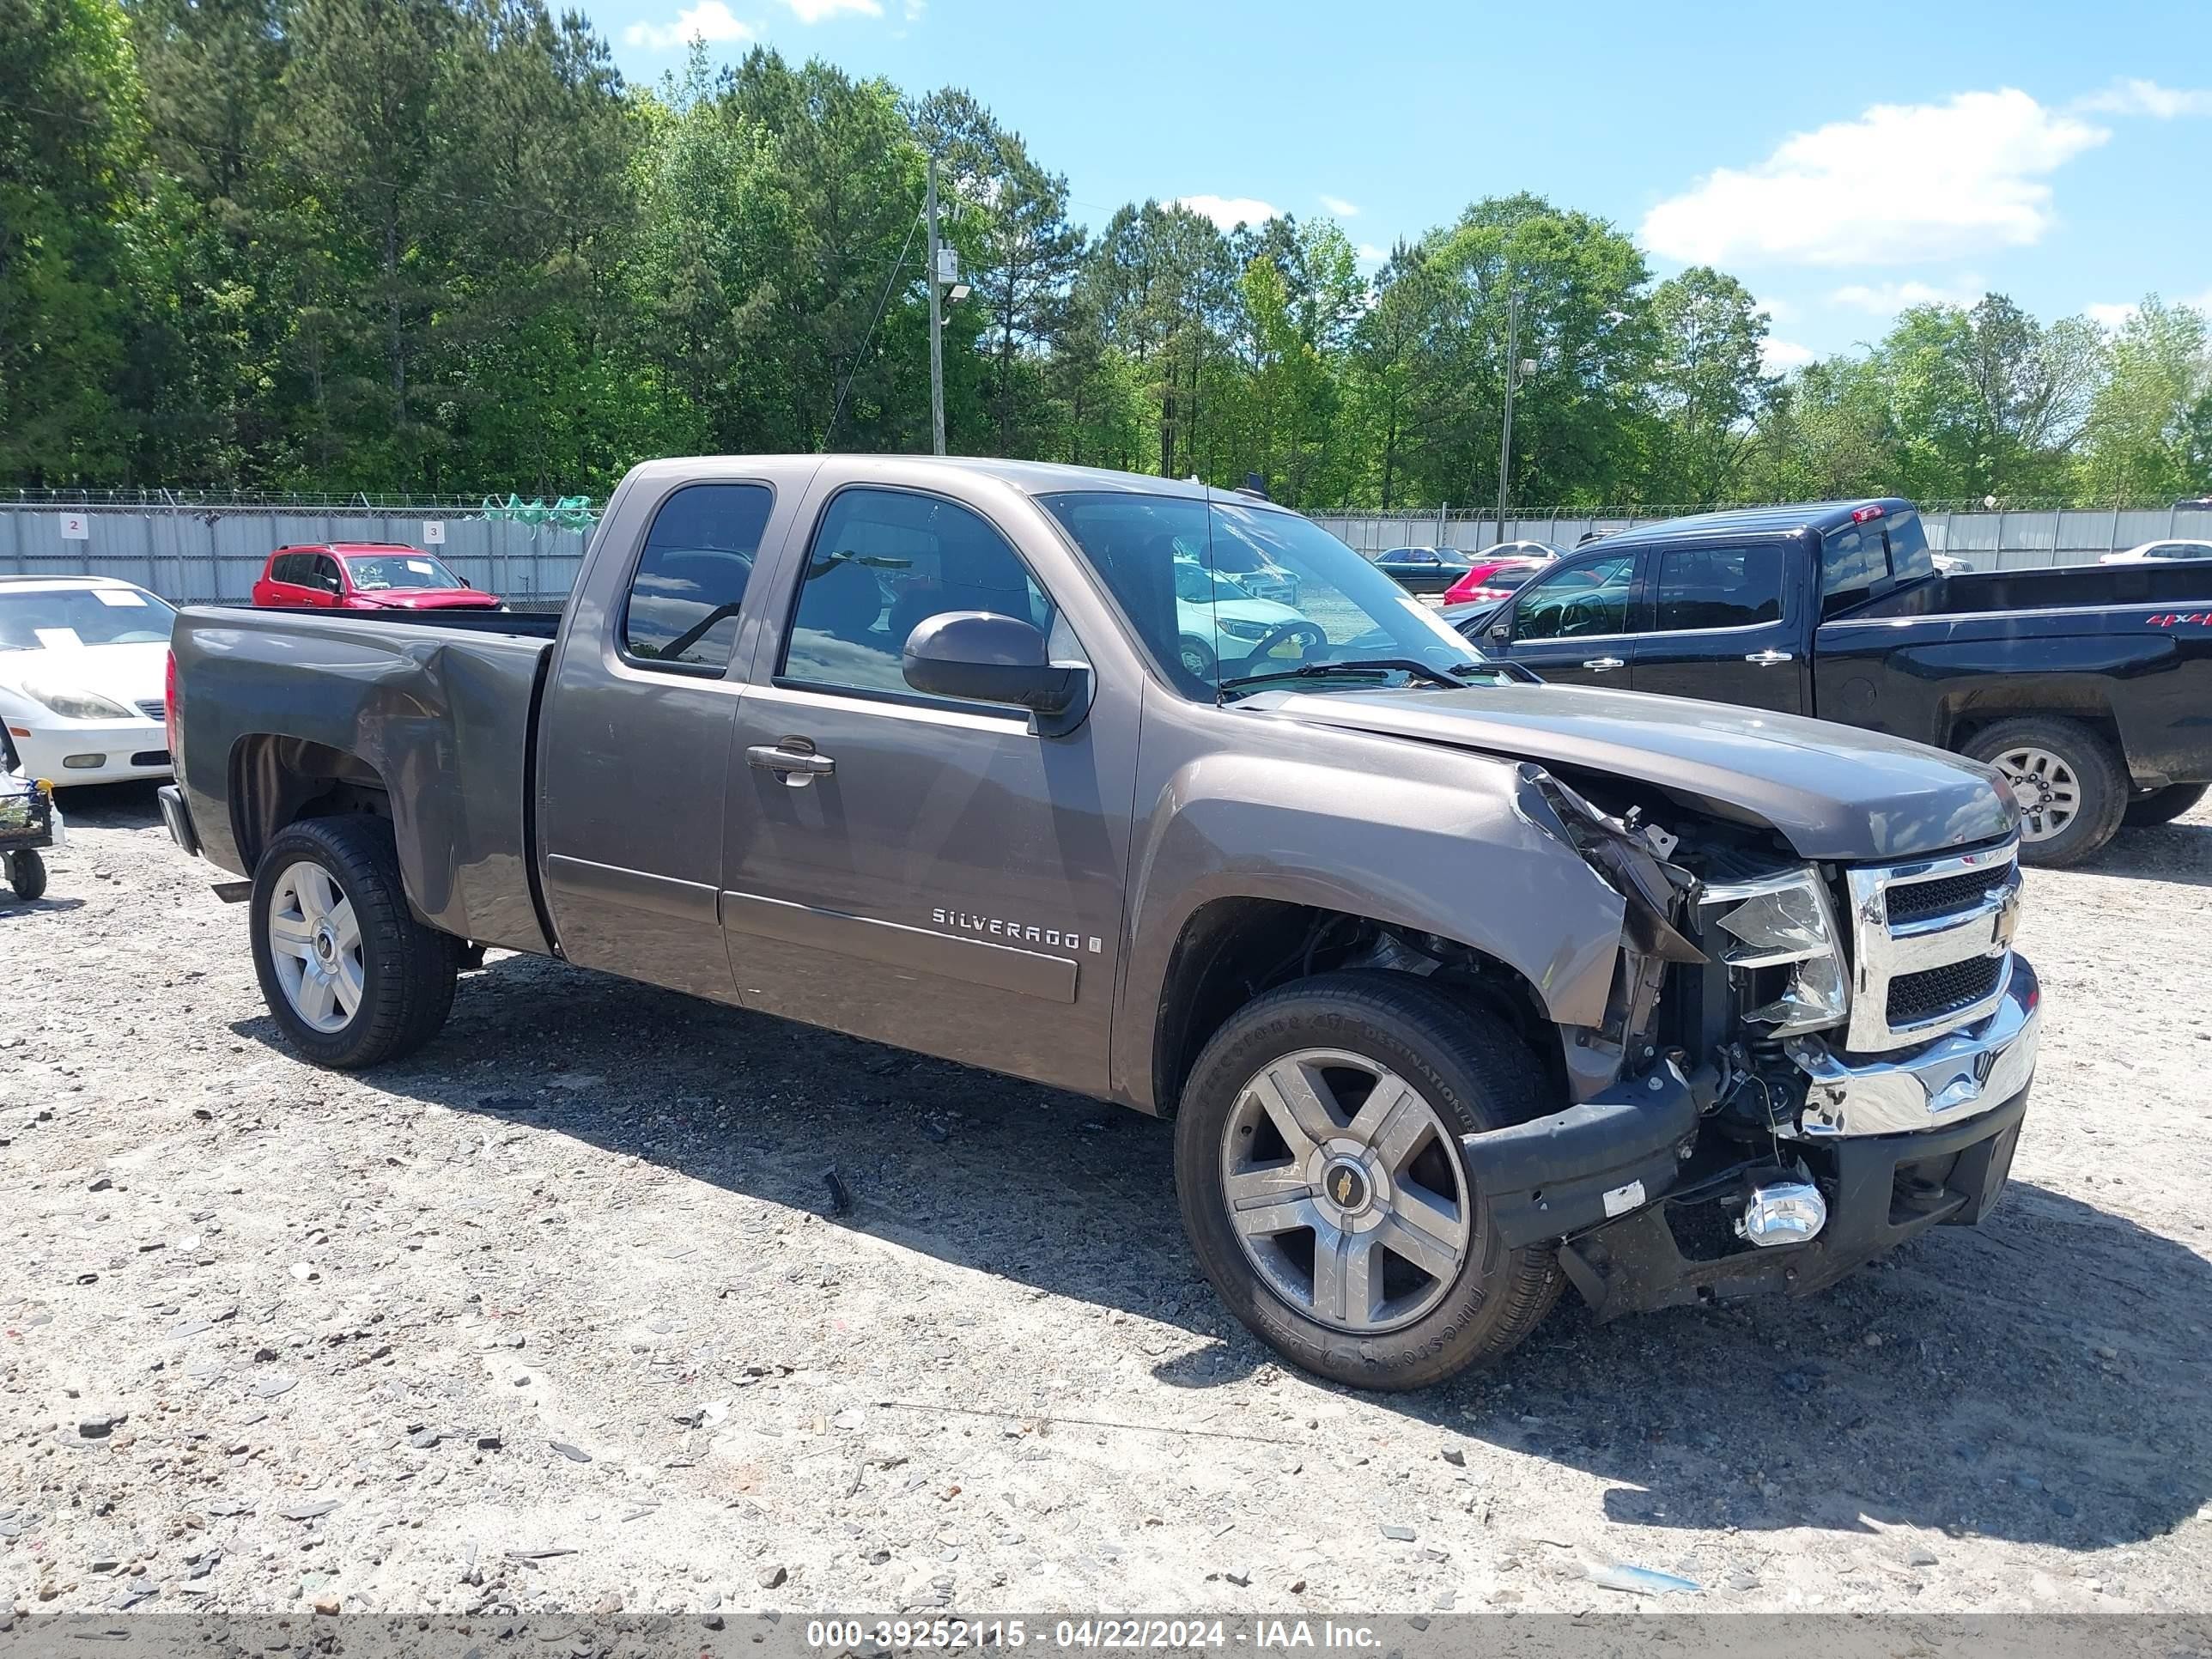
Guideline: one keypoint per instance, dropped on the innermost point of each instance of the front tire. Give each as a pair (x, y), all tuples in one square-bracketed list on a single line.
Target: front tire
[(350, 975), (27, 875), (2070, 787), (2163, 805), (1323, 1189)]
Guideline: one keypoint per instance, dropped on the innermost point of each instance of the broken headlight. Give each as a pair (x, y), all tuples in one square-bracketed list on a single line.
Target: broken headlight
[(1780, 932)]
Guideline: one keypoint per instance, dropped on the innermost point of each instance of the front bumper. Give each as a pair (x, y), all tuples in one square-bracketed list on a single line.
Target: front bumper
[(1941, 1084), (127, 749), (1897, 1145), (1881, 1190)]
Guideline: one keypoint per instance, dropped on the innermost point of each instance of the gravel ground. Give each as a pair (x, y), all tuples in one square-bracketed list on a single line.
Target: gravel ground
[(553, 1316)]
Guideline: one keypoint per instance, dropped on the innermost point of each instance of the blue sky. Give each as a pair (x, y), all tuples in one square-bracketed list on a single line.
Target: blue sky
[(1842, 161)]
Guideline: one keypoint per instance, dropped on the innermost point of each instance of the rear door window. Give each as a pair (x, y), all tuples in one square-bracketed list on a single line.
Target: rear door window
[(1702, 587), (683, 603)]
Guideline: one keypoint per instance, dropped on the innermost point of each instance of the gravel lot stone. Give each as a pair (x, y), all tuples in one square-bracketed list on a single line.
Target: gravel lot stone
[(575, 1328)]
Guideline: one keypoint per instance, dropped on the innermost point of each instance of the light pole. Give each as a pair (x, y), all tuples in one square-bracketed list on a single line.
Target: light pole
[(936, 328), (1505, 437)]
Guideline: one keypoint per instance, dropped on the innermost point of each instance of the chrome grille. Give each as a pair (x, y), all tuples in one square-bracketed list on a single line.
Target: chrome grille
[(1931, 943), (1915, 998), (1919, 900)]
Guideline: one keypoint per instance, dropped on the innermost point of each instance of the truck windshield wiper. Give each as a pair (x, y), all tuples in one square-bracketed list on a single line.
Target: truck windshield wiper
[(1362, 668)]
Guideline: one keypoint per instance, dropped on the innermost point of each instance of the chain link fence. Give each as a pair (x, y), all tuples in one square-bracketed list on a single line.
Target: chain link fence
[(211, 551), (209, 548)]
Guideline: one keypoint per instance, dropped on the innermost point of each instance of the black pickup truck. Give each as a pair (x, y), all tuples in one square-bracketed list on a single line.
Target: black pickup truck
[(2089, 687)]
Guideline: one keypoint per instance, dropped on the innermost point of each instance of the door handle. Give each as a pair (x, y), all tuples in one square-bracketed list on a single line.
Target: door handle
[(1768, 658), (1603, 665), (800, 767)]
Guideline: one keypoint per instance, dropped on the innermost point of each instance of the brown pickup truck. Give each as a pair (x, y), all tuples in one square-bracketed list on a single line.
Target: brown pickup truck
[(1459, 988)]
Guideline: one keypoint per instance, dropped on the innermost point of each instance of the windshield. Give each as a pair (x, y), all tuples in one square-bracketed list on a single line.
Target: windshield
[(58, 619), (1319, 603), (382, 571)]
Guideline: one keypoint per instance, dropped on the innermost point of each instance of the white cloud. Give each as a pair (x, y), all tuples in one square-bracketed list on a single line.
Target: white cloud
[(914, 10), (1902, 183), (816, 11), (1888, 299), (2114, 318), (710, 20), (1781, 354), (2147, 97), (1778, 311), (1231, 211), (1340, 207), (1371, 255)]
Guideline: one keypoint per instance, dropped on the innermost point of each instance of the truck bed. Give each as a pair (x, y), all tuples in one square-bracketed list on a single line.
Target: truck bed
[(2127, 648), (2185, 585), (439, 709)]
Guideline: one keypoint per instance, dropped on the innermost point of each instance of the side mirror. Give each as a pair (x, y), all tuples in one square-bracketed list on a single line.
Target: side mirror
[(1501, 631), (980, 656), (464, 581)]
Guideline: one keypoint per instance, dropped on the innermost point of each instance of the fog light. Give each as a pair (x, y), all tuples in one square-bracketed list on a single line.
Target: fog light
[(1788, 1212), (83, 762)]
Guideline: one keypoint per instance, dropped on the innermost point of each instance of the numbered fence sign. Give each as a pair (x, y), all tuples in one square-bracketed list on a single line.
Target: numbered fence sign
[(434, 532), (76, 527)]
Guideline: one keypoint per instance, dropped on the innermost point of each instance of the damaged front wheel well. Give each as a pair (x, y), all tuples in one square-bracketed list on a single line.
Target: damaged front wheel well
[(1233, 949)]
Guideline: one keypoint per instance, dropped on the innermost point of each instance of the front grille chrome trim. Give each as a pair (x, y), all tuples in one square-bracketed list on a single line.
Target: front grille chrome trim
[(1881, 952)]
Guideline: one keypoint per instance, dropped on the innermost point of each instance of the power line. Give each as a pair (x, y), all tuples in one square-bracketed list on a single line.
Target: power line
[(883, 300)]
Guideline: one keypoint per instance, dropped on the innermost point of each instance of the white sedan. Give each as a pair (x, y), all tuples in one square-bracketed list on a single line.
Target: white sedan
[(81, 660), (2165, 550), (1220, 620)]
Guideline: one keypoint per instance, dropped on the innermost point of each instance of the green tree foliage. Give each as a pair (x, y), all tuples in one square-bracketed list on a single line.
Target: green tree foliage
[(440, 244), (2151, 423), (1707, 385), (70, 148)]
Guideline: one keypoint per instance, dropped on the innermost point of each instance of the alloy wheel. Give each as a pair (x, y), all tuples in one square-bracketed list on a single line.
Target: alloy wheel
[(314, 944), (1345, 1191), (2043, 787)]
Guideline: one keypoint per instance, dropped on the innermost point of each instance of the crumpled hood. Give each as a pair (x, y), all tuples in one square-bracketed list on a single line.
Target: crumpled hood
[(1834, 791)]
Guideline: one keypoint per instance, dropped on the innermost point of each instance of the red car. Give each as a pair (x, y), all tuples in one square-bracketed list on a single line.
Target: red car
[(1498, 571), (364, 576)]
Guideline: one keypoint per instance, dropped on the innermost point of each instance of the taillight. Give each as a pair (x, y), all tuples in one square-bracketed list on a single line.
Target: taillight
[(173, 709), (1861, 514)]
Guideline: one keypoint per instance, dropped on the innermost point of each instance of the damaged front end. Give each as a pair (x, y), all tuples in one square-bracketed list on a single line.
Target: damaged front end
[(1704, 1156)]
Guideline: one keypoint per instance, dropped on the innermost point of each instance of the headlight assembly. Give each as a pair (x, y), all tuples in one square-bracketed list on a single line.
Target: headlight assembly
[(1244, 630), (1784, 923), (76, 705)]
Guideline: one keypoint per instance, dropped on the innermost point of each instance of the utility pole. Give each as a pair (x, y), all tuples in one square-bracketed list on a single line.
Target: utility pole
[(1512, 374), (936, 328)]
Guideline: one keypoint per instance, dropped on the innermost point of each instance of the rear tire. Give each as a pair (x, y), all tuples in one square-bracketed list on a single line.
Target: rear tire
[(2163, 805), (27, 874), (2071, 788), (398, 972), (1463, 1072)]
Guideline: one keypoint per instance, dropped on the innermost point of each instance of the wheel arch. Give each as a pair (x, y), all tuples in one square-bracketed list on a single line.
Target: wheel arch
[(1234, 949)]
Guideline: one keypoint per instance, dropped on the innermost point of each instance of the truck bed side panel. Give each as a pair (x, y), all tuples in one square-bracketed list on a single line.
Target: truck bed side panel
[(441, 715), (2145, 669)]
